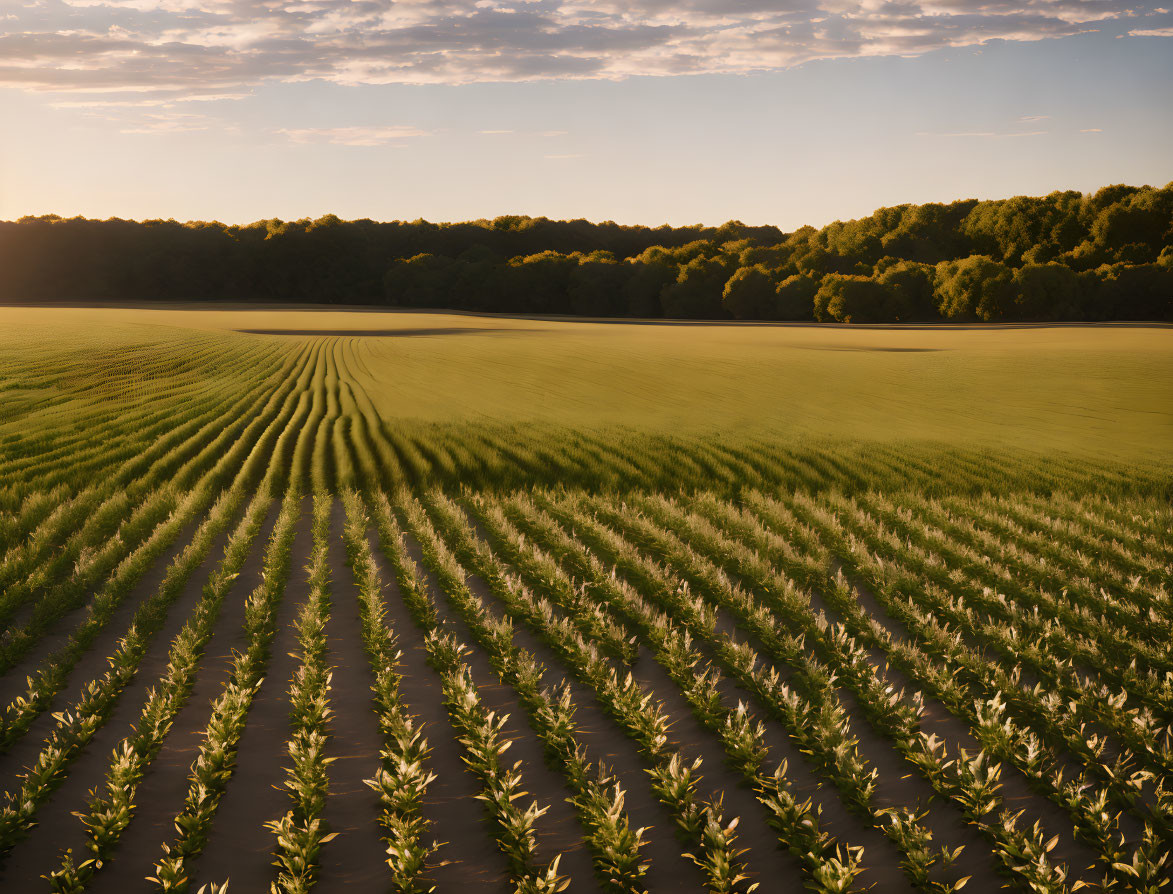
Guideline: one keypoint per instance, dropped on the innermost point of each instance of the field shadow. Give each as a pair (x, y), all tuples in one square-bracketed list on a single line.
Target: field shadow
[(389, 333), (870, 348)]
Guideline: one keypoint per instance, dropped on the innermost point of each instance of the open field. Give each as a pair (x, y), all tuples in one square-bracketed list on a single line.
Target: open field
[(1102, 391), (507, 605)]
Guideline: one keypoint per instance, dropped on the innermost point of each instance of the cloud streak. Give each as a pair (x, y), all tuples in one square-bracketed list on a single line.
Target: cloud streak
[(183, 49), (984, 134), (353, 136)]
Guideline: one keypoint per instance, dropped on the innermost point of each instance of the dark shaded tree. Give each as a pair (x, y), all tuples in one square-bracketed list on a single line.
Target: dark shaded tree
[(750, 294), (697, 292), (1047, 292), (794, 298), (908, 290), (974, 288), (1062, 256), (849, 299)]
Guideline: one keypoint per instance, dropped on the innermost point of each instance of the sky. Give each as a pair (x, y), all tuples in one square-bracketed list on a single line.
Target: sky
[(786, 112)]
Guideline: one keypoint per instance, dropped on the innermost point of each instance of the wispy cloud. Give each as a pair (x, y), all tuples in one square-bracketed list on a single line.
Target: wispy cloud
[(353, 136), (144, 101), (169, 122), (1092, 130), (982, 133), (1034, 117), (183, 48)]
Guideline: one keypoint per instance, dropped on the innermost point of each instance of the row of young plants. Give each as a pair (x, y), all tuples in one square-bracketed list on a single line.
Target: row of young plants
[(313, 395), (61, 393), (247, 458), (123, 439), (370, 454), (933, 660), (402, 778), (853, 664), (112, 807), (73, 438), (324, 452), (1020, 637), (301, 832), (700, 822), (1106, 623), (596, 794), (830, 866), (884, 705), (1139, 524), (807, 705), (94, 568), (107, 531), (68, 539), (481, 733), (1015, 633), (501, 456), (90, 556), (479, 729), (1100, 537), (21, 519), (676, 781), (213, 767), (1086, 809), (1004, 715), (1053, 561), (76, 726), (95, 558), (1126, 547), (595, 622), (381, 454), (117, 456)]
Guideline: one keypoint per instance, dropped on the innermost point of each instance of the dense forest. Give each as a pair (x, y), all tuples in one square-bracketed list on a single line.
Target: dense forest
[(1064, 256)]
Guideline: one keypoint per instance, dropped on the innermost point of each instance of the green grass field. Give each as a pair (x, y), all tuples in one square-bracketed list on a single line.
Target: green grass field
[(340, 600), (1104, 392)]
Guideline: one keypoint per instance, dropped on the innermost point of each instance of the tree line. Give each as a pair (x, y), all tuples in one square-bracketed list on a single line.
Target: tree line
[(1064, 256)]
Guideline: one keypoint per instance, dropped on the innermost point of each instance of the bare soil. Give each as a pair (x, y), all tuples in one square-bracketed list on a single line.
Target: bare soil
[(765, 858), (239, 847), (355, 859), (468, 858), (607, 744), (558, 831), (1016, 791), (56, 828), (13, 682), (161, 793)]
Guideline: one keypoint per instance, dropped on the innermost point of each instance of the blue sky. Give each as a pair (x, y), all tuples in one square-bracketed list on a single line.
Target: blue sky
[(697, 111)]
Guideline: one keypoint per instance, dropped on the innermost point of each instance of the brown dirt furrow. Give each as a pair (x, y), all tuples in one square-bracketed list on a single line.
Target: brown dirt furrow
[(239, 846), (897, 784), (161, 793), (765, 857), (470, 859), (41, 851), (93, 662), (768, 863), (355, 860), (881, 859), (559, 832), (1016, 792), (606, 743)]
